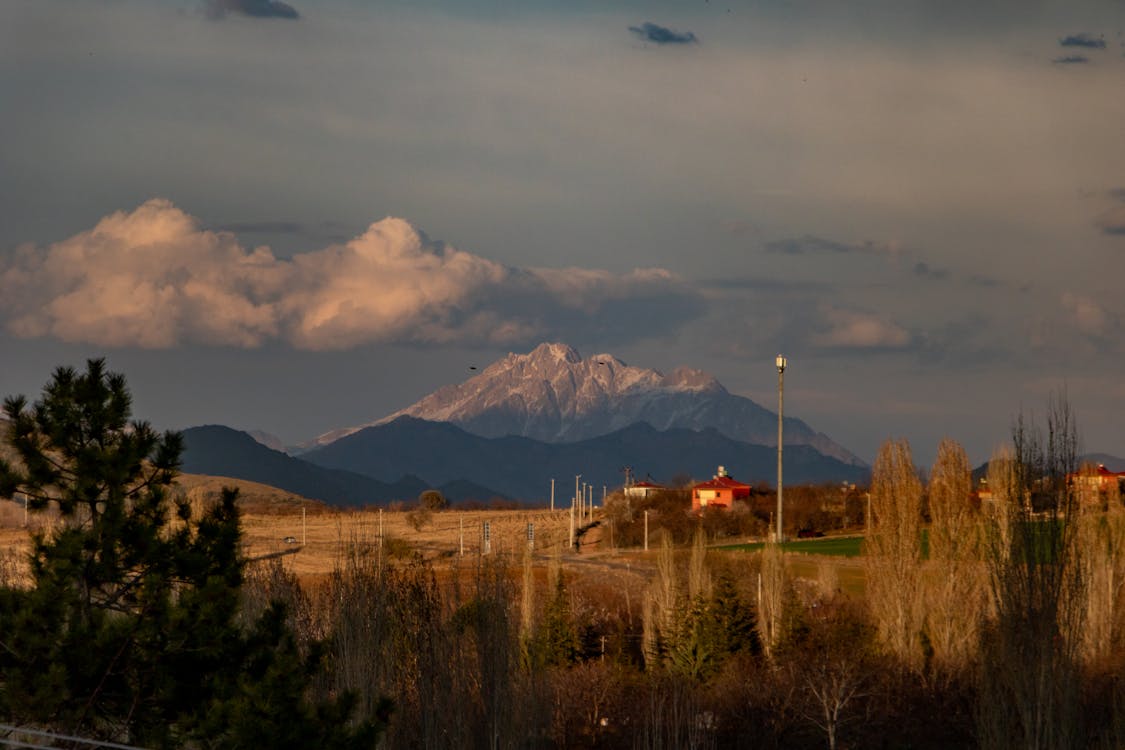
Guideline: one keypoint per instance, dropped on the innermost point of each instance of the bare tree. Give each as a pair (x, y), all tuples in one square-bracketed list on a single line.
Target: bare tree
[(1002, 507), (833, 683), (1030, 676), (894, 552), (772, 586), (699, 576), (662, 606), (1101, 537), (954, 588)]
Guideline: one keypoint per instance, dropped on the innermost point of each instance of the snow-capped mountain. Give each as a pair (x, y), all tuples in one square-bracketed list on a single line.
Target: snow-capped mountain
[(554, 395)]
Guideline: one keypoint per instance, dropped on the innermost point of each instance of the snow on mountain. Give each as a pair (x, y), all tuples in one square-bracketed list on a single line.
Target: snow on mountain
[(554, 395)]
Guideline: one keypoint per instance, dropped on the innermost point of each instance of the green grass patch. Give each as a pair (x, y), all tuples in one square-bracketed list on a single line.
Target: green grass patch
[(840, 546)]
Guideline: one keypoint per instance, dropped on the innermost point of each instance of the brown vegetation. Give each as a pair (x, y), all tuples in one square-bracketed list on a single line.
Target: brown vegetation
[(1008, 633), (893, 552)]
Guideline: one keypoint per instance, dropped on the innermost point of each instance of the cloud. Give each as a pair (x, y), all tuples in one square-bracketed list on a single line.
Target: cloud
[(988, 282), (810, 244), (925, 271), (253, 8), (651, 32), (853, 329), (762, 284), (262, 227), (152, 278), (1086, 314), (1084, 40), (1112, 222), (1071, 60)]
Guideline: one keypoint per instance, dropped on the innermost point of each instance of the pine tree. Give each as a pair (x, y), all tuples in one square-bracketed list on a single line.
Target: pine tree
[(558, 640), (127, 629)]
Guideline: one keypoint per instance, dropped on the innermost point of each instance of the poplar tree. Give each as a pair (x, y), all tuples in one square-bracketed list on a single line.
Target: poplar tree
[(955, 587), (893, 552)]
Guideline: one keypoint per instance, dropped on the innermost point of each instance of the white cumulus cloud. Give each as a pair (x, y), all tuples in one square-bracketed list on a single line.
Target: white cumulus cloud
[(153, 278), (853, 329), (1086, 314)]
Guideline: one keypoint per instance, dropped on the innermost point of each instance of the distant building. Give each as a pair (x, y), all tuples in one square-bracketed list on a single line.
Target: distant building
[(643, 489), (1096, 485), (720, 490), (1099, 478)]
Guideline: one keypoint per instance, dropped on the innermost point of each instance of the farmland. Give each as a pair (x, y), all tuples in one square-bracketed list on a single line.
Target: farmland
[(312, 540)]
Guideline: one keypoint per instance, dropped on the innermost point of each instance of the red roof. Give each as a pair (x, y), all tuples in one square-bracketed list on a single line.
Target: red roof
[(650, 485), (1101, 473), (721, 483)]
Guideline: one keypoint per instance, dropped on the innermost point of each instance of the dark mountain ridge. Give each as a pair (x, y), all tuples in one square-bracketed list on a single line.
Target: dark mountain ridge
[(221, 451), (522, 468)]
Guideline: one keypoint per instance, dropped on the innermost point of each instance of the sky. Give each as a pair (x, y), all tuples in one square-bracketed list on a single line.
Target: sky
[(302, 215)]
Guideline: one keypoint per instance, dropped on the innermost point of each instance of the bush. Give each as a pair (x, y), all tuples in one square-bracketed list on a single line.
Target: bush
[(419, 518), (433, 500)]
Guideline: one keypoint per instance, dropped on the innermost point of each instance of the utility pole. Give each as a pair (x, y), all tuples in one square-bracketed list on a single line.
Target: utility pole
[(552, 495), (646, 531), (782, 363), (577, 497), (572, 524)]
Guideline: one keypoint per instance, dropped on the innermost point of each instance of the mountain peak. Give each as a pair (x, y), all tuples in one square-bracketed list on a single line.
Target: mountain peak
[(553, 395), (550, 352)]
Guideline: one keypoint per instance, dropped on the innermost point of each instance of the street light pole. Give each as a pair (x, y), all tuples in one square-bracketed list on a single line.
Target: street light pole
[(781, 364)]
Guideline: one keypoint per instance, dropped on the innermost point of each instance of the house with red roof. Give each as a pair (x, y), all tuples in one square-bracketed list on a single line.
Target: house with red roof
[(1104, 478), (1099, 479), (720, 490)]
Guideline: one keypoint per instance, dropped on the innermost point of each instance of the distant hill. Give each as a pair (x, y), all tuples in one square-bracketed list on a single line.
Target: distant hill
[(522, 468), (253, 497), (1113, 463), (221, 451)]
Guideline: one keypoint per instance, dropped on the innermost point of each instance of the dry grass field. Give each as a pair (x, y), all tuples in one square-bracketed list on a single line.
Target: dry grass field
[(317, 541), (313, 539)]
